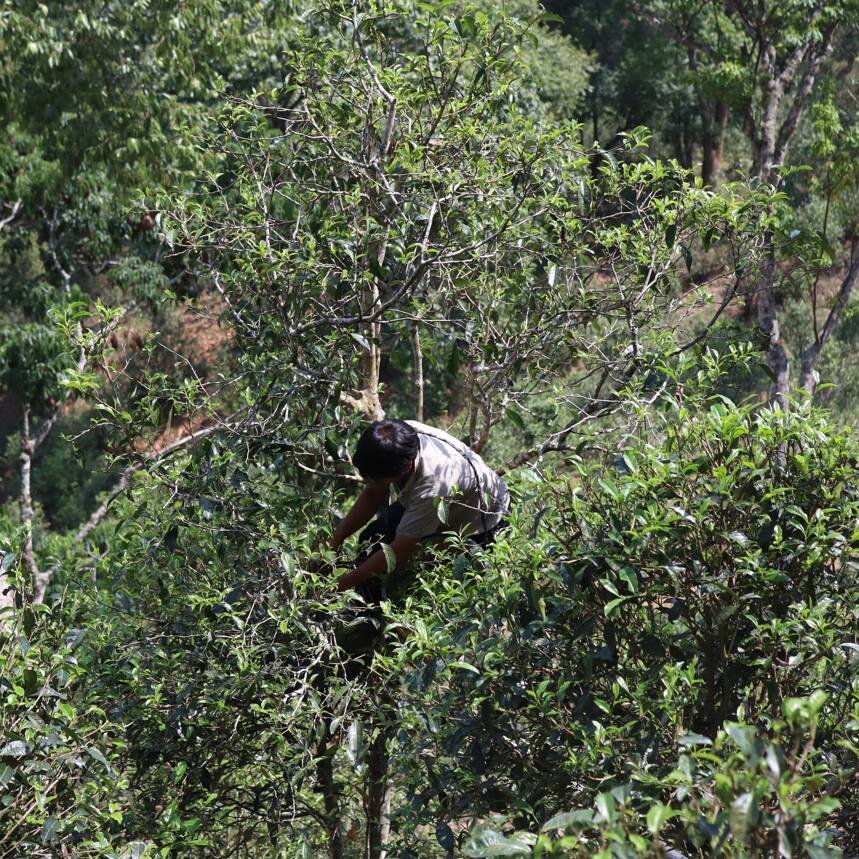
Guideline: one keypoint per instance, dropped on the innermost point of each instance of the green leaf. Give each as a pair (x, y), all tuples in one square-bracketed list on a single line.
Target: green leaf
[(516, 418), (687, 256), (657, 817), (694, 740), (670, 235), (50, 828), (743, 814), (804, 710), (31, 681), (375, 266), (606, 806), (390, 558), (15, 749), (628, 575), (610, 607), (487, 841), (744, 736), (566, 819), (96, 755), (467, 666), (775, 760), (361, 340), (467, 26)]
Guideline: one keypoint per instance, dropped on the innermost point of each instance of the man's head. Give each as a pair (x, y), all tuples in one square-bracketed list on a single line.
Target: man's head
[(386, 451)]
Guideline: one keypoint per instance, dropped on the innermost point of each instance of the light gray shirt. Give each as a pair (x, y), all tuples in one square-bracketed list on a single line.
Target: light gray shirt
[(474, 497)]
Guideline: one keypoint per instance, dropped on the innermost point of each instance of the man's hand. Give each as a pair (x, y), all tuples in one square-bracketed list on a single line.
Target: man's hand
[(377, 564), (314, 564), (317, 559)]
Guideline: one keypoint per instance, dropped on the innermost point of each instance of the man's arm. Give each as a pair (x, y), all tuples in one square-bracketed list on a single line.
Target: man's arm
[(367, 505), (403, 546)]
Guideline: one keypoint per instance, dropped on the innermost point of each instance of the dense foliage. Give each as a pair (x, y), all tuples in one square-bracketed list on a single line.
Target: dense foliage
[(232, 232)]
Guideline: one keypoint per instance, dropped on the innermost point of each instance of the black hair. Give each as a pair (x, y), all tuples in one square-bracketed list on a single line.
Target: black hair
[(385, 449)]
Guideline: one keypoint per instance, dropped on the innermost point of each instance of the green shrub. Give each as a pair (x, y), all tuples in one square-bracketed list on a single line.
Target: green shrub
[(683, 632), (59, 748)]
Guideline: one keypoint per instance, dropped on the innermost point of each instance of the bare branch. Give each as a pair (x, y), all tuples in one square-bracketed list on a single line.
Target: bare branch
[(811, 353), (16, 207)]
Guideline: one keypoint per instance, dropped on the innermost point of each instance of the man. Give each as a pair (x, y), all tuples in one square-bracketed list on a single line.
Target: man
[(441, 485)]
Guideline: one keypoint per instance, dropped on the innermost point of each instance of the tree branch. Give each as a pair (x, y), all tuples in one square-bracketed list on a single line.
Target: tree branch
[(16, 207), (811, 353), (557, 441), (788, 127)]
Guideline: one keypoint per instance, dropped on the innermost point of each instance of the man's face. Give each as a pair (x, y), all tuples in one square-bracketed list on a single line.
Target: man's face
[(385, 482)]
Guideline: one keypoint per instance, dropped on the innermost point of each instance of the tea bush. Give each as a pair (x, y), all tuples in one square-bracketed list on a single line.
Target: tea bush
[(681, 637)]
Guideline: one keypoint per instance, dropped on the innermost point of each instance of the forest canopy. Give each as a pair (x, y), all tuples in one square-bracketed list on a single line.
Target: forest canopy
[(610, 247)]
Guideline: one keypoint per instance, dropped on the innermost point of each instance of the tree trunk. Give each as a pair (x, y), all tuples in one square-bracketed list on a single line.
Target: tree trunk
[(374, 803), (29, 445), (713, 138), (372, 367), (687, 156), (721, 129), (330, 799), (777, 359), (763, 145), (808, 366), (770, 142), (25, 498), (419, 372)]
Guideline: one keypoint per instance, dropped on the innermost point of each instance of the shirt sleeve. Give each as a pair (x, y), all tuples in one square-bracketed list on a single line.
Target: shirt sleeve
[(420, 519)]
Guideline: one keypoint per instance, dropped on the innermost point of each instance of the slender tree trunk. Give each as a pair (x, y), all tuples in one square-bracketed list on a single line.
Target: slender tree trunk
[(767, 128), (25, 498), (386, 818), (808, 366), (721, 128), (372, 367), (331, 799), (777, 359), (705, 111), (29, 445), (770, 144), (686, 154), (367, 400), (419, 372), (371, 358), (377, 788), (714, 124)]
